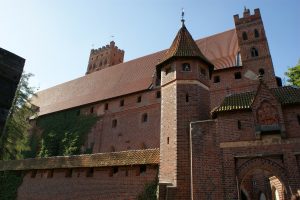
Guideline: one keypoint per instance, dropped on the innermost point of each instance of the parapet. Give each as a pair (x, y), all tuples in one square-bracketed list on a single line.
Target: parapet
[(247, 17)]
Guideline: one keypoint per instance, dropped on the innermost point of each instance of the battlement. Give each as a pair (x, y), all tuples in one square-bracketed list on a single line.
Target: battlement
[(247, 17), (104, 56), (107, 47)]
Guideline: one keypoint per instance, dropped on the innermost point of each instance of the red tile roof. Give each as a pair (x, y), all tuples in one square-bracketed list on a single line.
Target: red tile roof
[(123, 158), (129, 77)]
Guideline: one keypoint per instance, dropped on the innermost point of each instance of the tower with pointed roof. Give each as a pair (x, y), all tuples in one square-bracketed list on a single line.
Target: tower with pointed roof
[(185, 74)]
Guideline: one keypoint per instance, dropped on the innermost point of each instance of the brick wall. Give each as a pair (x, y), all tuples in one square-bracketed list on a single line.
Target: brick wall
[(130, 131), (126, 184)]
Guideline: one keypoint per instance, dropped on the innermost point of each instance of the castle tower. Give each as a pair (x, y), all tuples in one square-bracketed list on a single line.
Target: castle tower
[(254, 46), (185, 74), (106, 56)]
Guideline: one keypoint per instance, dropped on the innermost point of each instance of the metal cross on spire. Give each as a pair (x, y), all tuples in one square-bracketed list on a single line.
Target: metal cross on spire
[(182, 16)]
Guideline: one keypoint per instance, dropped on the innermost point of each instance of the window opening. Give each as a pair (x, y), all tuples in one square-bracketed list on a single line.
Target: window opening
[(186, 67), (158, 94), (187, 97), (139, 99), (33, 173), (245, 37), (168, 70), (168, 140), (239, 124), (256, 33), (298, 118), (92, 110), (143, 169), (216, 79), (115, 170), (69, 173), (203, 71), (106, 106), (254, 52), (90, 172), (114, 123), (50, 173), (122, 103), (237, 75), (261, 71), (145, 117)]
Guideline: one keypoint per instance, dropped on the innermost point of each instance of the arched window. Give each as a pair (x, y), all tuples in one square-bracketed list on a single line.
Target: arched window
[(256, 33), (245, 37), (254, 52)]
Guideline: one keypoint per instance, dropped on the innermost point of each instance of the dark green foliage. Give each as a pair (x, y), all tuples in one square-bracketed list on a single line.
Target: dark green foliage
[(149, 192), (15, 137), (9, 183), (293, 75), (64, 132)]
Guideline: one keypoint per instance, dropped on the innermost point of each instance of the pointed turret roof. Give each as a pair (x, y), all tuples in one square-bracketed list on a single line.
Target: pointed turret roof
[(184, 46)]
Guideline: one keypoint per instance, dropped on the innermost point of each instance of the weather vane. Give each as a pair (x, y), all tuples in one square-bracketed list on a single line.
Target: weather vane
[(182, 16)]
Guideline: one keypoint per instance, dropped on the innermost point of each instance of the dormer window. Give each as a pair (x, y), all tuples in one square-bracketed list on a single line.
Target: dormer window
[(186, 67)]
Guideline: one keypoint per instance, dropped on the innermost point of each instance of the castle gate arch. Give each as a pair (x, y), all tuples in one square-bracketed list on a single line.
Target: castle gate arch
[(267, 167)]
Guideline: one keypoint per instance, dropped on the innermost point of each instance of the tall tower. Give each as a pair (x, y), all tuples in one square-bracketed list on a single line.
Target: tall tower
[(254, 46), (106, 56), (185, 74)]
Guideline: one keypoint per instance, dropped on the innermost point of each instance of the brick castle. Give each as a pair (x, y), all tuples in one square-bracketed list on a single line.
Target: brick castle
[(208, 117)]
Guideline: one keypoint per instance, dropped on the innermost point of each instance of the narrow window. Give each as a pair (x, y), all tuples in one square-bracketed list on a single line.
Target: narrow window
[(216, 79), (186, 67), (143, 169), (256, 33), (237, 75), (50, 173), (126, 172), (139, 99), (114, 123), (90, 172), (261, 71), (122, 103), (69, 173), (33, 173), (245, 37), (298, 118), (168, 140), (115, 170), (254, 52), (92, 110), (187, 97), (106, 106), (158, 94), (144, 117), (239, 124)]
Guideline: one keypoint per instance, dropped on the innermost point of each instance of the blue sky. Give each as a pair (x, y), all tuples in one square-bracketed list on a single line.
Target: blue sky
[(55, 37)]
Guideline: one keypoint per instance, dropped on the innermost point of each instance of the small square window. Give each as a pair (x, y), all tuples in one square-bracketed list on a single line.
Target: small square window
[(50, 173), (90, 172), (186, 67), (217, 79), (237, 75), (69, 173), (139, 99), (122, 103), (143, 169)]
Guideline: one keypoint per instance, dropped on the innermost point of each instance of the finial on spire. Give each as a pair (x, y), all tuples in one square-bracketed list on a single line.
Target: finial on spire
[(182, 16), (245, 9)]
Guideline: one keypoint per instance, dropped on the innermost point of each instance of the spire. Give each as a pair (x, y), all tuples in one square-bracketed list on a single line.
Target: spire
[(182, 17), (184, 46)]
